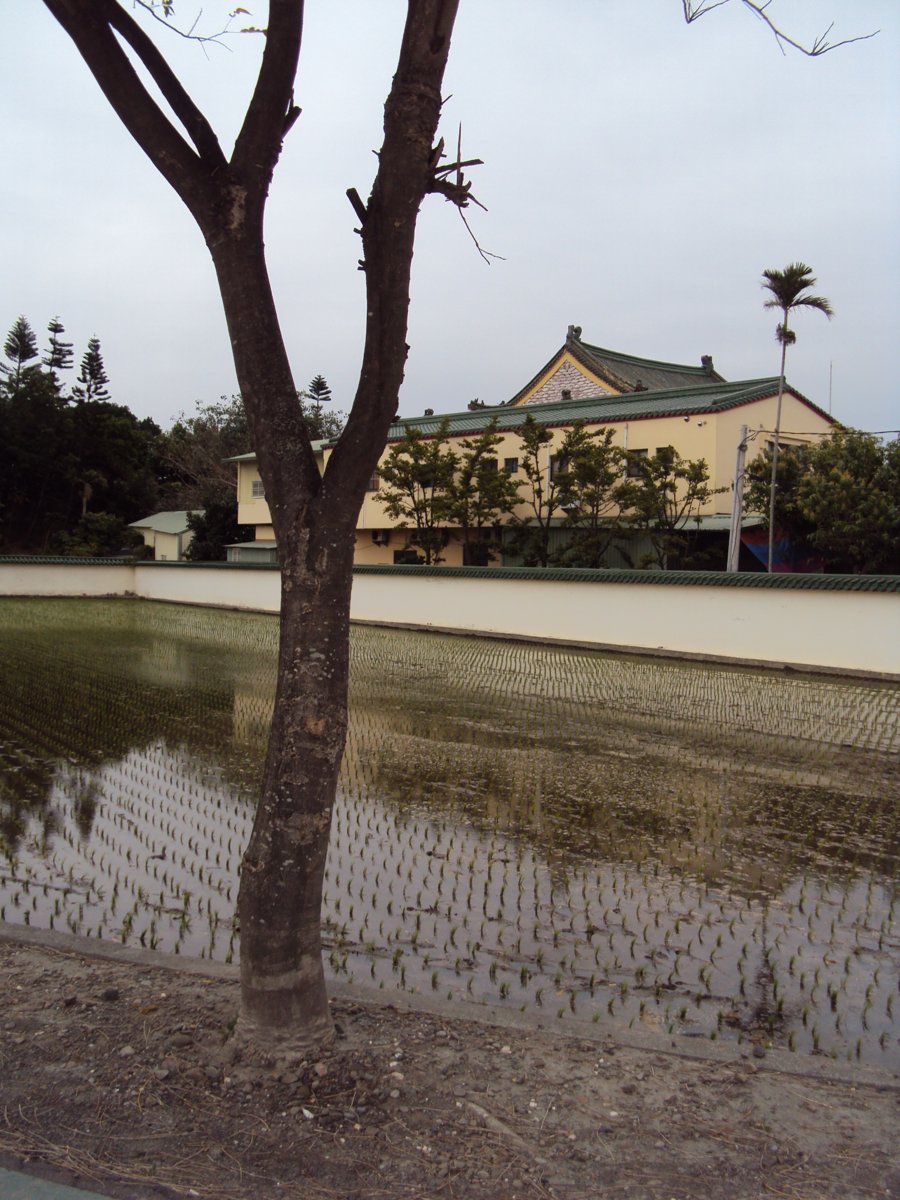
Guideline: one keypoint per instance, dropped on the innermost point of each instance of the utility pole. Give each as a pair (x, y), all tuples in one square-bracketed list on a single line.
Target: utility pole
[(737, 504)]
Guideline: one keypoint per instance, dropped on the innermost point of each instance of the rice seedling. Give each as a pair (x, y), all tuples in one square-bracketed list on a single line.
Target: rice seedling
[(561, 796)]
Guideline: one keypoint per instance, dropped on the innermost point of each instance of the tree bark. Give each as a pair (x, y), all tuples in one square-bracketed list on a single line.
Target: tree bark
[(279, 903), (283, 986), (314, 517)]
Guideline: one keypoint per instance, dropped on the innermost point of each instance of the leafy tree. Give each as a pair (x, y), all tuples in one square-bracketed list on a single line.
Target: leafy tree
[(545, 491), (20, 348), (320, 425), (61, 461), (841, 500), (92, 378), (36, 462), (97, 535), (215, 528), (789, 291), (590, 497), (665, 492), (314, 516), (838, 500), (850, 495), (58, 356), (480, 493), (112, 458), (790, 520), (419, 472), (194, 451)]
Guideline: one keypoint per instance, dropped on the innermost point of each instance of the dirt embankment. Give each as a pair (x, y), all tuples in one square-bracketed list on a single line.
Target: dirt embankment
[(120, 1074)]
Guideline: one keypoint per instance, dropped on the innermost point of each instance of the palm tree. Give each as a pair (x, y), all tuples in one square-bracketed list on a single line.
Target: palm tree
[(789, 289)]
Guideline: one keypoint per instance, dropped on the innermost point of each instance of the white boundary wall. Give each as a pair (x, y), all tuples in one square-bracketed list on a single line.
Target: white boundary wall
[(838, 630), (832, 628)]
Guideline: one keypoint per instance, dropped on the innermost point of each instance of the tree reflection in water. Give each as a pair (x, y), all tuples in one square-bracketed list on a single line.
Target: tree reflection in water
[(696, 849)]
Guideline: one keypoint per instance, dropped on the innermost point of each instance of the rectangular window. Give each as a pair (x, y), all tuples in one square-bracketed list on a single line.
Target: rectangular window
[(510, 465), (257, 491), (374, 482), (558, 463), (489, 464), (633, 458)]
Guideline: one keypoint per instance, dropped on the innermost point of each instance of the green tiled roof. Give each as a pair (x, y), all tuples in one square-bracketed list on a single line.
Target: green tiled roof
[(623, 372), (729, 579), (708, 398), (695, 400), (632, 370), (59, 560)]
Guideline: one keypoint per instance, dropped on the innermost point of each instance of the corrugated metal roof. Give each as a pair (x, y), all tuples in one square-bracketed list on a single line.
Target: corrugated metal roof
[(251, 456), (166, 522)]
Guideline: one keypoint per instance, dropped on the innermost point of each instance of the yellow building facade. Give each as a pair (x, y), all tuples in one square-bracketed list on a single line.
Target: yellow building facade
[(647, 404)]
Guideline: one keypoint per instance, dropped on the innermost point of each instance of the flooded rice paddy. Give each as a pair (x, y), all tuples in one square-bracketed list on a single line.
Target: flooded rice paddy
[(706, 851)]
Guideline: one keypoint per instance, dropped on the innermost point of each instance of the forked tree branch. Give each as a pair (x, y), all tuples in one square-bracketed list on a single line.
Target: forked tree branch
[(195, 123), (694, 9), (406, 164), (272, 111), (459, 190), (95, 27)]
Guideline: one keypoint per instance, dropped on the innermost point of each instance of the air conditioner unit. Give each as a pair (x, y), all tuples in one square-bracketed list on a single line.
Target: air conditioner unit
[(381, 537)]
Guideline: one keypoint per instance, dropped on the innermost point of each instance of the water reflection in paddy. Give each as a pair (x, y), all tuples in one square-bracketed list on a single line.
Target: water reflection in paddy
[(703, 850)]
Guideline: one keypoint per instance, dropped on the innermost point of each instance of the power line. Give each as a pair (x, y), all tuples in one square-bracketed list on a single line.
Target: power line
[(818, 432)]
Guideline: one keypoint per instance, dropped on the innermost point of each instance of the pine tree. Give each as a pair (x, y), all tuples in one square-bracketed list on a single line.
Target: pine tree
[(92, 378), (319, 393), (20, 348), (58, 356)]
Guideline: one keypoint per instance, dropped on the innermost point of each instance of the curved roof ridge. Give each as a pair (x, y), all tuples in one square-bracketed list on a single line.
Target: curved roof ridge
[(637, 360)]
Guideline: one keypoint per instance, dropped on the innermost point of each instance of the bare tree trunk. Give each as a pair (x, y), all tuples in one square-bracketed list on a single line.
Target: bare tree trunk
[(282, 978), (314, 517), (279, 902)]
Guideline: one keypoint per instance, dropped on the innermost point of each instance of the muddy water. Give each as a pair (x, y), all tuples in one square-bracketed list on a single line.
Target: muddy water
[(707, 851)]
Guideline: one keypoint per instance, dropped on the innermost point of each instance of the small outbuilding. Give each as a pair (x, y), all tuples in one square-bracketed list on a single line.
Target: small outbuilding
[(166, 533)]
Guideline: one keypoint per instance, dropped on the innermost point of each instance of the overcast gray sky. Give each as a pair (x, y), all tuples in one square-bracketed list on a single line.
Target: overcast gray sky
[(639, 174)]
